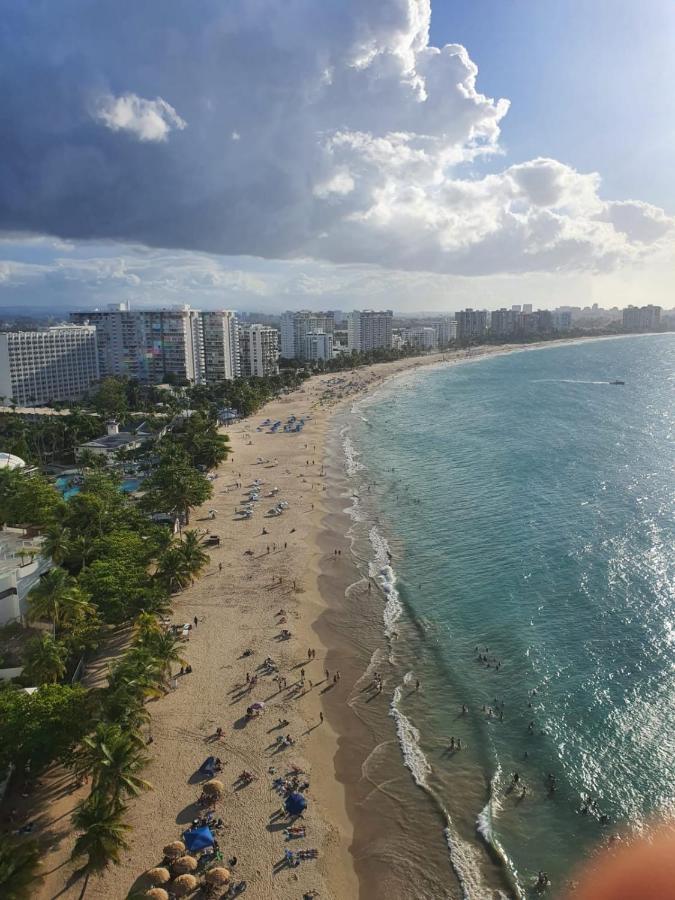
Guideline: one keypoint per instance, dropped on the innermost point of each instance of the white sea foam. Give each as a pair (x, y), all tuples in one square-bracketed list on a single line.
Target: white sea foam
[(355, 511), (381, 570), (352, 463), (464, 858), (409, 737)]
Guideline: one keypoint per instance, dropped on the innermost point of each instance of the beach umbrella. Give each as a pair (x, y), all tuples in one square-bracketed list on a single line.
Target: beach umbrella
[(159, 875), (174, 849), (213, 788), (218, 876), (295, 804), (183, 885), (157, 894), (185, 864)]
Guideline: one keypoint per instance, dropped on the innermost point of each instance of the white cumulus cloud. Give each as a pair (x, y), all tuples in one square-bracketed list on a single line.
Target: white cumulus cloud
[(149, 120)]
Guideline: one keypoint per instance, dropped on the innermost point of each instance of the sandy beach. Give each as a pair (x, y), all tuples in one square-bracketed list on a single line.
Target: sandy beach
[(264, 565)]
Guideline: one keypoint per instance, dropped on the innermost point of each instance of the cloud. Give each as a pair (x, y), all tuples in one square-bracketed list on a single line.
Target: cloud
[(149, 120), (332, 131)]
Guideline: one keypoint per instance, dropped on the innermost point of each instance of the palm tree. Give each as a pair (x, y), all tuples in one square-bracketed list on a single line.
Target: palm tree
[(57, 543), (19, 861), (113, 758), (146, 626), (57, 597), (103, 834), (191, 550), (165, 649), (45, 659)]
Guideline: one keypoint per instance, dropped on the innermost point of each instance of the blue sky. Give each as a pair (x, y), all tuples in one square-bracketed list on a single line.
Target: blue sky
[(591, 83), (288, 153)]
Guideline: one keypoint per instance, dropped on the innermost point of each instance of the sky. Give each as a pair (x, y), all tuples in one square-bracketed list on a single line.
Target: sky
[(274, 154)]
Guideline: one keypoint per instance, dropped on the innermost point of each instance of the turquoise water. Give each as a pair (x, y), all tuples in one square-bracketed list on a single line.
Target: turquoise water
[(527, 505), (69, 490)]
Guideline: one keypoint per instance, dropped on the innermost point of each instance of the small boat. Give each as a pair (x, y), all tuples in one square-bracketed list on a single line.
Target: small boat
[(617, 381)]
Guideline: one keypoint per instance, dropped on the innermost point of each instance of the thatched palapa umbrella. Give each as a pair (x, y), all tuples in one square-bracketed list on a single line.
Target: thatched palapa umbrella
[(184, 864), (174, 849), (218, 876), (183, 885), (157, 894), (159, 875), (213, 788)]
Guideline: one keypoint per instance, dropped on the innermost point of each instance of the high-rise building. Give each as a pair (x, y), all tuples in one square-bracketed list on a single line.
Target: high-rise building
[(259, 350), (447, 331), (39, 367), (504, 321), (318, 345), (150, 345), (527, 308), (295, 326), (643, 318), (369, 329), (471, 324), (220, 336), (423, 338)]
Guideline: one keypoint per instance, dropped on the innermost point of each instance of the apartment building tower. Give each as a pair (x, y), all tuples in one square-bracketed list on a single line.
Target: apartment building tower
[(471, 324), (149, 345), (295, 326), (259, 350), (369, 330), (40, 367), (643, 318), (318, 345), (220, 337)]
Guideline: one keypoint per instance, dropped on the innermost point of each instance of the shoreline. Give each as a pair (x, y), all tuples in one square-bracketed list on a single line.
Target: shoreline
[(236, 610)]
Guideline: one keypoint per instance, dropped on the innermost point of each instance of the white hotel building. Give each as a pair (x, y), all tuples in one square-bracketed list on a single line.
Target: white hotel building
[(40, 367)]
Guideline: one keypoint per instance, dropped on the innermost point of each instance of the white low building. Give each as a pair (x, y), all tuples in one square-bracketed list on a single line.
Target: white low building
[(114, 441), (21, 565)]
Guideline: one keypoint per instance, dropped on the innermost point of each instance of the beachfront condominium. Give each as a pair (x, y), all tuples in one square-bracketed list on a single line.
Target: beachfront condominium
[(424, 338), (179, 342), (220, 336), (40, 367), (318, 346), (471, 324), (295, 326), (368, 329), (643, 318), (447, 331), (259, 350)]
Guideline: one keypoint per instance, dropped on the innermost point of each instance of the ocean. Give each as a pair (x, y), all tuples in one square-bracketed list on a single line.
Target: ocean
[(512, 524)]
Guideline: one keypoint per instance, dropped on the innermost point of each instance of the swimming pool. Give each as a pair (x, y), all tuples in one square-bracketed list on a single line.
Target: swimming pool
[(65, 485)]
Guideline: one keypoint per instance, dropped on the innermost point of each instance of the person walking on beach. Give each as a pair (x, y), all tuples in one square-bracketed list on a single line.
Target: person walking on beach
[(321, 718), (195, 620), (417, 685), (220, 567)]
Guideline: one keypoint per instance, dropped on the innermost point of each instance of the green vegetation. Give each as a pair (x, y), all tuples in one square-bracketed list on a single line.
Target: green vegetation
[(45, 660), (47, 438), (28, 500), (175, 487), (19, 865), (42, 727)]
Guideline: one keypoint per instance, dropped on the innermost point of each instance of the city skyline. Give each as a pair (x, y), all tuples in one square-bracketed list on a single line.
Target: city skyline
[(402, 160)]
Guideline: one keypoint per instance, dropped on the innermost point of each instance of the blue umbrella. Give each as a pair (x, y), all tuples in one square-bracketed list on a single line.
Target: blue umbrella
[(295, 804), (198, 838)]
